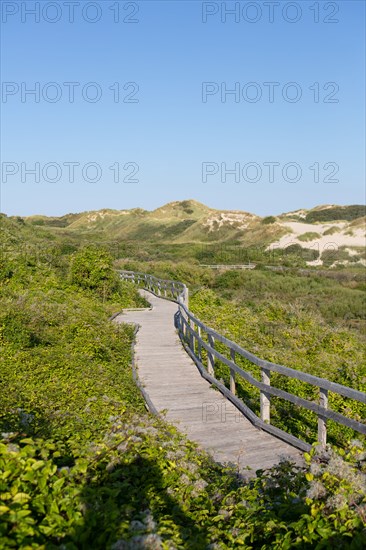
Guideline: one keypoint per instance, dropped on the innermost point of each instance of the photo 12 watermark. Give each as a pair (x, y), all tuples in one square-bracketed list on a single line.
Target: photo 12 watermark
[(270, 12), (269, 92), (276, 256), (311, 252), (71, 12), (269, 172), (220, 411), (69, 92), (69, 172)]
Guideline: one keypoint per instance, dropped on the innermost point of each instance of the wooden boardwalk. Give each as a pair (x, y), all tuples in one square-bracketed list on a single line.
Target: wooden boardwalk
[(175, 385)]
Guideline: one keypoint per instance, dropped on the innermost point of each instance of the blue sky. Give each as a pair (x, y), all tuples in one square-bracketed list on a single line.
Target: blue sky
[(171, 136)]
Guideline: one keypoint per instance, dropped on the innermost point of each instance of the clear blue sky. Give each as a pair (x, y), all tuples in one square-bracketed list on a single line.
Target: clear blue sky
[(170, 132)]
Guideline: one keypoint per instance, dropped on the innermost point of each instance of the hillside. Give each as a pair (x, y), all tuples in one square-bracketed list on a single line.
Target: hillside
[(185, 221), (180, 222), (324, 235)]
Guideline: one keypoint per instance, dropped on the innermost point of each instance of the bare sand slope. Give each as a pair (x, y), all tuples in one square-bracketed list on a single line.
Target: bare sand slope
[(345, 236)]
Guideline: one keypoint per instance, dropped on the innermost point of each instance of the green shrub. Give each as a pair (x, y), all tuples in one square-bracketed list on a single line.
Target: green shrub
[(309, 236), (92, 269), (348, 213), (329, 257), (268, 220), (15, 329), (331, 230)]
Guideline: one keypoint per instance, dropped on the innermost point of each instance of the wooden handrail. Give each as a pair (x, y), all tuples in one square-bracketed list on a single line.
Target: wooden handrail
[(190, 330), (173, 290), (229, 266)]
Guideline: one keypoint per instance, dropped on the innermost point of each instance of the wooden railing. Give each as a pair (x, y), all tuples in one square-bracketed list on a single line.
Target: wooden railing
[(229, 266), (191, 331), (164, 288)]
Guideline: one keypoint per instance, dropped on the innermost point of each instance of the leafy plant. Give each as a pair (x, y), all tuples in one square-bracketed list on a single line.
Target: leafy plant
[(92, 268)]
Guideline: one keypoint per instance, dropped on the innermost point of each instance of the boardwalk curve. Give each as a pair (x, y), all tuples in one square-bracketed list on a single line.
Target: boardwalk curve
[(174, 384)]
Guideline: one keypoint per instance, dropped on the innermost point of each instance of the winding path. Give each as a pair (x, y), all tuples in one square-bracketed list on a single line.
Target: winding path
[(174, 385)]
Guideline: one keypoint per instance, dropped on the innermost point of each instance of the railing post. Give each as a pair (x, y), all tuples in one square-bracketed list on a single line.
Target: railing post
[(185, 298), (322, 421), (199, 350), (184, 327), (265, 398), (210, 357), (191, 338), (232, 373), (195, 342)]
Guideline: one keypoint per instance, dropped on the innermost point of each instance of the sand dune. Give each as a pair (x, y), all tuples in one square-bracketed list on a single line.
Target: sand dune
[(346, 236)]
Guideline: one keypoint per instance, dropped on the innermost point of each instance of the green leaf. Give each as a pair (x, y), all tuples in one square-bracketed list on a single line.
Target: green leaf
[(59, 483), (21, 498)]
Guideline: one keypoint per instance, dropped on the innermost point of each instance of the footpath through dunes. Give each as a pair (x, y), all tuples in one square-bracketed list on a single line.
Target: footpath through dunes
[(175, 385)]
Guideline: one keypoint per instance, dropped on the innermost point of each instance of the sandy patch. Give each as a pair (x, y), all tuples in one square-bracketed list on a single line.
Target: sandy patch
[(237, 219), (299, 213), (341, 238)]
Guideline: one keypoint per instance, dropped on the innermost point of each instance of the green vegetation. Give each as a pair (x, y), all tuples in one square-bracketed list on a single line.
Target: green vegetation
[(269, 219), (329, 297), (331, 230), (309, 236), (186, 231), (294, 255), (82, 465), (328, 257), (92, 269), (348, 213)]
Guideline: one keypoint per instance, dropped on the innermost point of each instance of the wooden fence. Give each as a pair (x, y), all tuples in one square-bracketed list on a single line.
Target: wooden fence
[(191, 331), (164, 288), (229, 266)]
